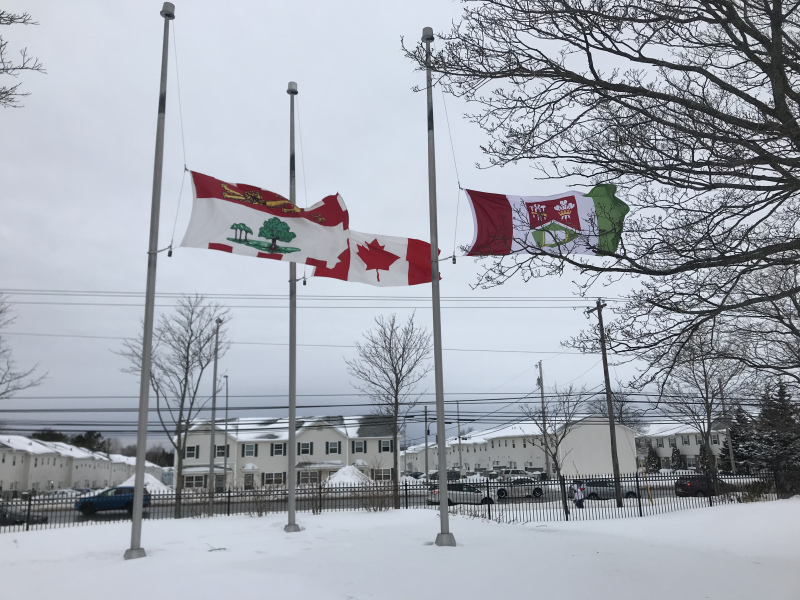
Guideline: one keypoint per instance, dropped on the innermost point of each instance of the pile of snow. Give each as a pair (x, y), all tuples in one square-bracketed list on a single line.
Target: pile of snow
[(348, 475), (152, 484)]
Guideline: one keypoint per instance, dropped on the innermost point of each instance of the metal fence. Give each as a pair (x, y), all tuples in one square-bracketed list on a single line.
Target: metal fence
[(520, 500)]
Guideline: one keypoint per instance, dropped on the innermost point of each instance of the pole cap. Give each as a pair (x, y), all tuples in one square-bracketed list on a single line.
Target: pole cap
[(427, 34), (292, 90), (168, 10)]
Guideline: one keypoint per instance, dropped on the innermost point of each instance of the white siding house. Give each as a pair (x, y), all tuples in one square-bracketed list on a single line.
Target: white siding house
[(257, 451), (663, 437)]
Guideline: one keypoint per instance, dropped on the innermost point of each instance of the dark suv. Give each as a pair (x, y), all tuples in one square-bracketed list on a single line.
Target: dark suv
[(700, 485), (118, 498)]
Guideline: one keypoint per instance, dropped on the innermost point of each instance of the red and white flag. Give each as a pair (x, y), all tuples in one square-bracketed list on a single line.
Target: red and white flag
[(382, 260), (243, 219)]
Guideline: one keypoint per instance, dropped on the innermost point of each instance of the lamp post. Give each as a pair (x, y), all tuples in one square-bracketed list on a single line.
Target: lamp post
[(225, 461)]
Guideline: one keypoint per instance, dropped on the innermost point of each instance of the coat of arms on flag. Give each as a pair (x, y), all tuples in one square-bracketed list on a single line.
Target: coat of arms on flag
[(569, 222)]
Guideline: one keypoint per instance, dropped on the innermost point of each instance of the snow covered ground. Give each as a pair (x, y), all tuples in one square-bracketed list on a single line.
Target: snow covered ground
[(740, 551)]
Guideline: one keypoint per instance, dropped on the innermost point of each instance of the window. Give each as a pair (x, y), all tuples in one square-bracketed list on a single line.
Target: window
[(222, 451), (660, 442), (672, 443), (506, 441), (524, 443), (248, 481), (691, 462), (333, 447), (382, 474), (192, 452), (715, 438), (277, 449), (386, 446), (492, 443), (359, 446), (513, 443), (194, 481), (685, 440), (698, 440), (249, 450), (273, 478), (305, 447), (309, 477)]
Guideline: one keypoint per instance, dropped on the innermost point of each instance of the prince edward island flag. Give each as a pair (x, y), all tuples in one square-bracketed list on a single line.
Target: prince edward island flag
[(567, 223)]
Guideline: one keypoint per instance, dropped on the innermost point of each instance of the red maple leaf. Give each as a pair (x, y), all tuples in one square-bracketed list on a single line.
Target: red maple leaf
[(375, 257)]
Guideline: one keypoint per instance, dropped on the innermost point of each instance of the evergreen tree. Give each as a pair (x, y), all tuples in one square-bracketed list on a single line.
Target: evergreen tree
[(740, 431), (775, 442), (652, 462), (703, 465), (676, 460)]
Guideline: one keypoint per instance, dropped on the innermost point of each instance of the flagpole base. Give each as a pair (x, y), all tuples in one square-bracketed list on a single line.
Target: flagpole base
[(445, 539), (292, 528), (134, 553)]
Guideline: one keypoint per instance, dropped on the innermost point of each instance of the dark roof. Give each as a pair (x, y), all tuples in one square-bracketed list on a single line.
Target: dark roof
[(375, 426)]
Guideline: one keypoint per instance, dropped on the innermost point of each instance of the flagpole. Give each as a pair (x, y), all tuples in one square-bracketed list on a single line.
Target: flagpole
[(291, 480), (444, 537), (136, 550)]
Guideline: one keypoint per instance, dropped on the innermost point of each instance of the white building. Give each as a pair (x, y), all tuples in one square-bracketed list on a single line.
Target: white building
[(586, 449), (688, 440), (256, 450)]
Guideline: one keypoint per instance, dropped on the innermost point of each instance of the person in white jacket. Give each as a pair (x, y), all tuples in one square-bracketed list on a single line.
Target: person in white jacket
[(577, 494)]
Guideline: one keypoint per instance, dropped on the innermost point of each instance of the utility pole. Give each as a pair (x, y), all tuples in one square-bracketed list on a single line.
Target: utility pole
[(458, 419), (609, 405), (212, 463), (426, 444), (727, 426), (544, 422), (225, 461)]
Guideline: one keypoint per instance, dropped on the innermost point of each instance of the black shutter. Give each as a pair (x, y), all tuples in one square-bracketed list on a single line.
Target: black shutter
[(243, 445), (391, 445), (365, 446), (228, 450), (263, 476), (327, 447), (255, 452), (380, 446), (353, 447), (272, 449), (298, 448), (284, 448), (311, 447), (197, 451), (338, 447)]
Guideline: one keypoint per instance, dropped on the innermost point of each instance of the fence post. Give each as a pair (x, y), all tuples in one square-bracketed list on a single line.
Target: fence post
[(563, 485), (405, 485), (711, 490), (489, 495), (28, 518), (228, 503), (639, 494)]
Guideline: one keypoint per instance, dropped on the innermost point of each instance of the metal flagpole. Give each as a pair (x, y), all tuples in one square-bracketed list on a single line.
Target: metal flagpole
[(136, 550), (212, 476), (291, 482), (444, 538), (544, 422)]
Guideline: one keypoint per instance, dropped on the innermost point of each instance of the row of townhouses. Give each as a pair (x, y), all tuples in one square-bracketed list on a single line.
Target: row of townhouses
[(27, 464), (252, 452), (668, 435), (585, 449)]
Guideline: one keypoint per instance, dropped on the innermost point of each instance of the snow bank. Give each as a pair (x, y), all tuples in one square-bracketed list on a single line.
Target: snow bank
[(150, 482), (348, 475)]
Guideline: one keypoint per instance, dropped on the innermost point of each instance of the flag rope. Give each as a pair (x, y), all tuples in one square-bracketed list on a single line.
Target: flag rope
[(183, 140), (303, 169), (458, 177)]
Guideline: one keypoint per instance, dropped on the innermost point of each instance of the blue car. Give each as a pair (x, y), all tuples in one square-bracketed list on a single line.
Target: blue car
[(117, 498)]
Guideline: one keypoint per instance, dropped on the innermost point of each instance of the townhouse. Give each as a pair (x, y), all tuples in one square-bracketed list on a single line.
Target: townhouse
[(586, 449), (665, 436), (252, 452)]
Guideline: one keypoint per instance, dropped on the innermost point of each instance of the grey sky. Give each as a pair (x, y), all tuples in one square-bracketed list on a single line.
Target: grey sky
[(76, 170)]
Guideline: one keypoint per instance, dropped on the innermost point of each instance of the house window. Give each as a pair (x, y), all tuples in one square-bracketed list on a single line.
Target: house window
[(513, 443), (524, 443), (305, 447), (309, 477), (685, 440), (249, 450), (691, 462), (277, 449), (333, 447), (222, 451), (660, 442), (274, 478), (194, 481), (382, 474), (248, 481), (506, 441), (386, 446), (192, 452), (672, 443), (492, 443), (715, 438), (359, 446)]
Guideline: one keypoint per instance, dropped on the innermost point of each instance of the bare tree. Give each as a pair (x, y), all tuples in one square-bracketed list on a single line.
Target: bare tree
[(698, 381), (12, 379), (391, 361), (703, 135), (10, 94), (626, 411), (183, 348), (555, 420)]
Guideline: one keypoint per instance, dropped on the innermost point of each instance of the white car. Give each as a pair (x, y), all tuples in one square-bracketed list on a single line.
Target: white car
[(460, 493)]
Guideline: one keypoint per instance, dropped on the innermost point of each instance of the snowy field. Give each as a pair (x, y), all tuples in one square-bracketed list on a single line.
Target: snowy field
[(741, 551)]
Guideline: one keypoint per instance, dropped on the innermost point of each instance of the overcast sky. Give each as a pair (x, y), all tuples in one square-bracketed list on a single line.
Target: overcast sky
[(76, 166)]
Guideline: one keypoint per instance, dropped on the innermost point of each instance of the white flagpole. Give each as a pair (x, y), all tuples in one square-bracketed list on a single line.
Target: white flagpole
[(444, 537), (136, 550), (291, 479)]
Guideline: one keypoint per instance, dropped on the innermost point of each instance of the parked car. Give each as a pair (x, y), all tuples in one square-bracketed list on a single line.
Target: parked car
[(451, 475), (603, 489), (58, 494), (18, 515), (506, 474), (117, 498), (521, 487), (700, 485), (461, 493), (416, 474)]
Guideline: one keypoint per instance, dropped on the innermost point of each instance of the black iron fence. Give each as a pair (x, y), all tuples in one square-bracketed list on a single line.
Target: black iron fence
[(518, 500)]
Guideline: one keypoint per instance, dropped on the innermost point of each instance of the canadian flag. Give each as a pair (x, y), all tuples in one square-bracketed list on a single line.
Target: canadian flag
[(381, 260)]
